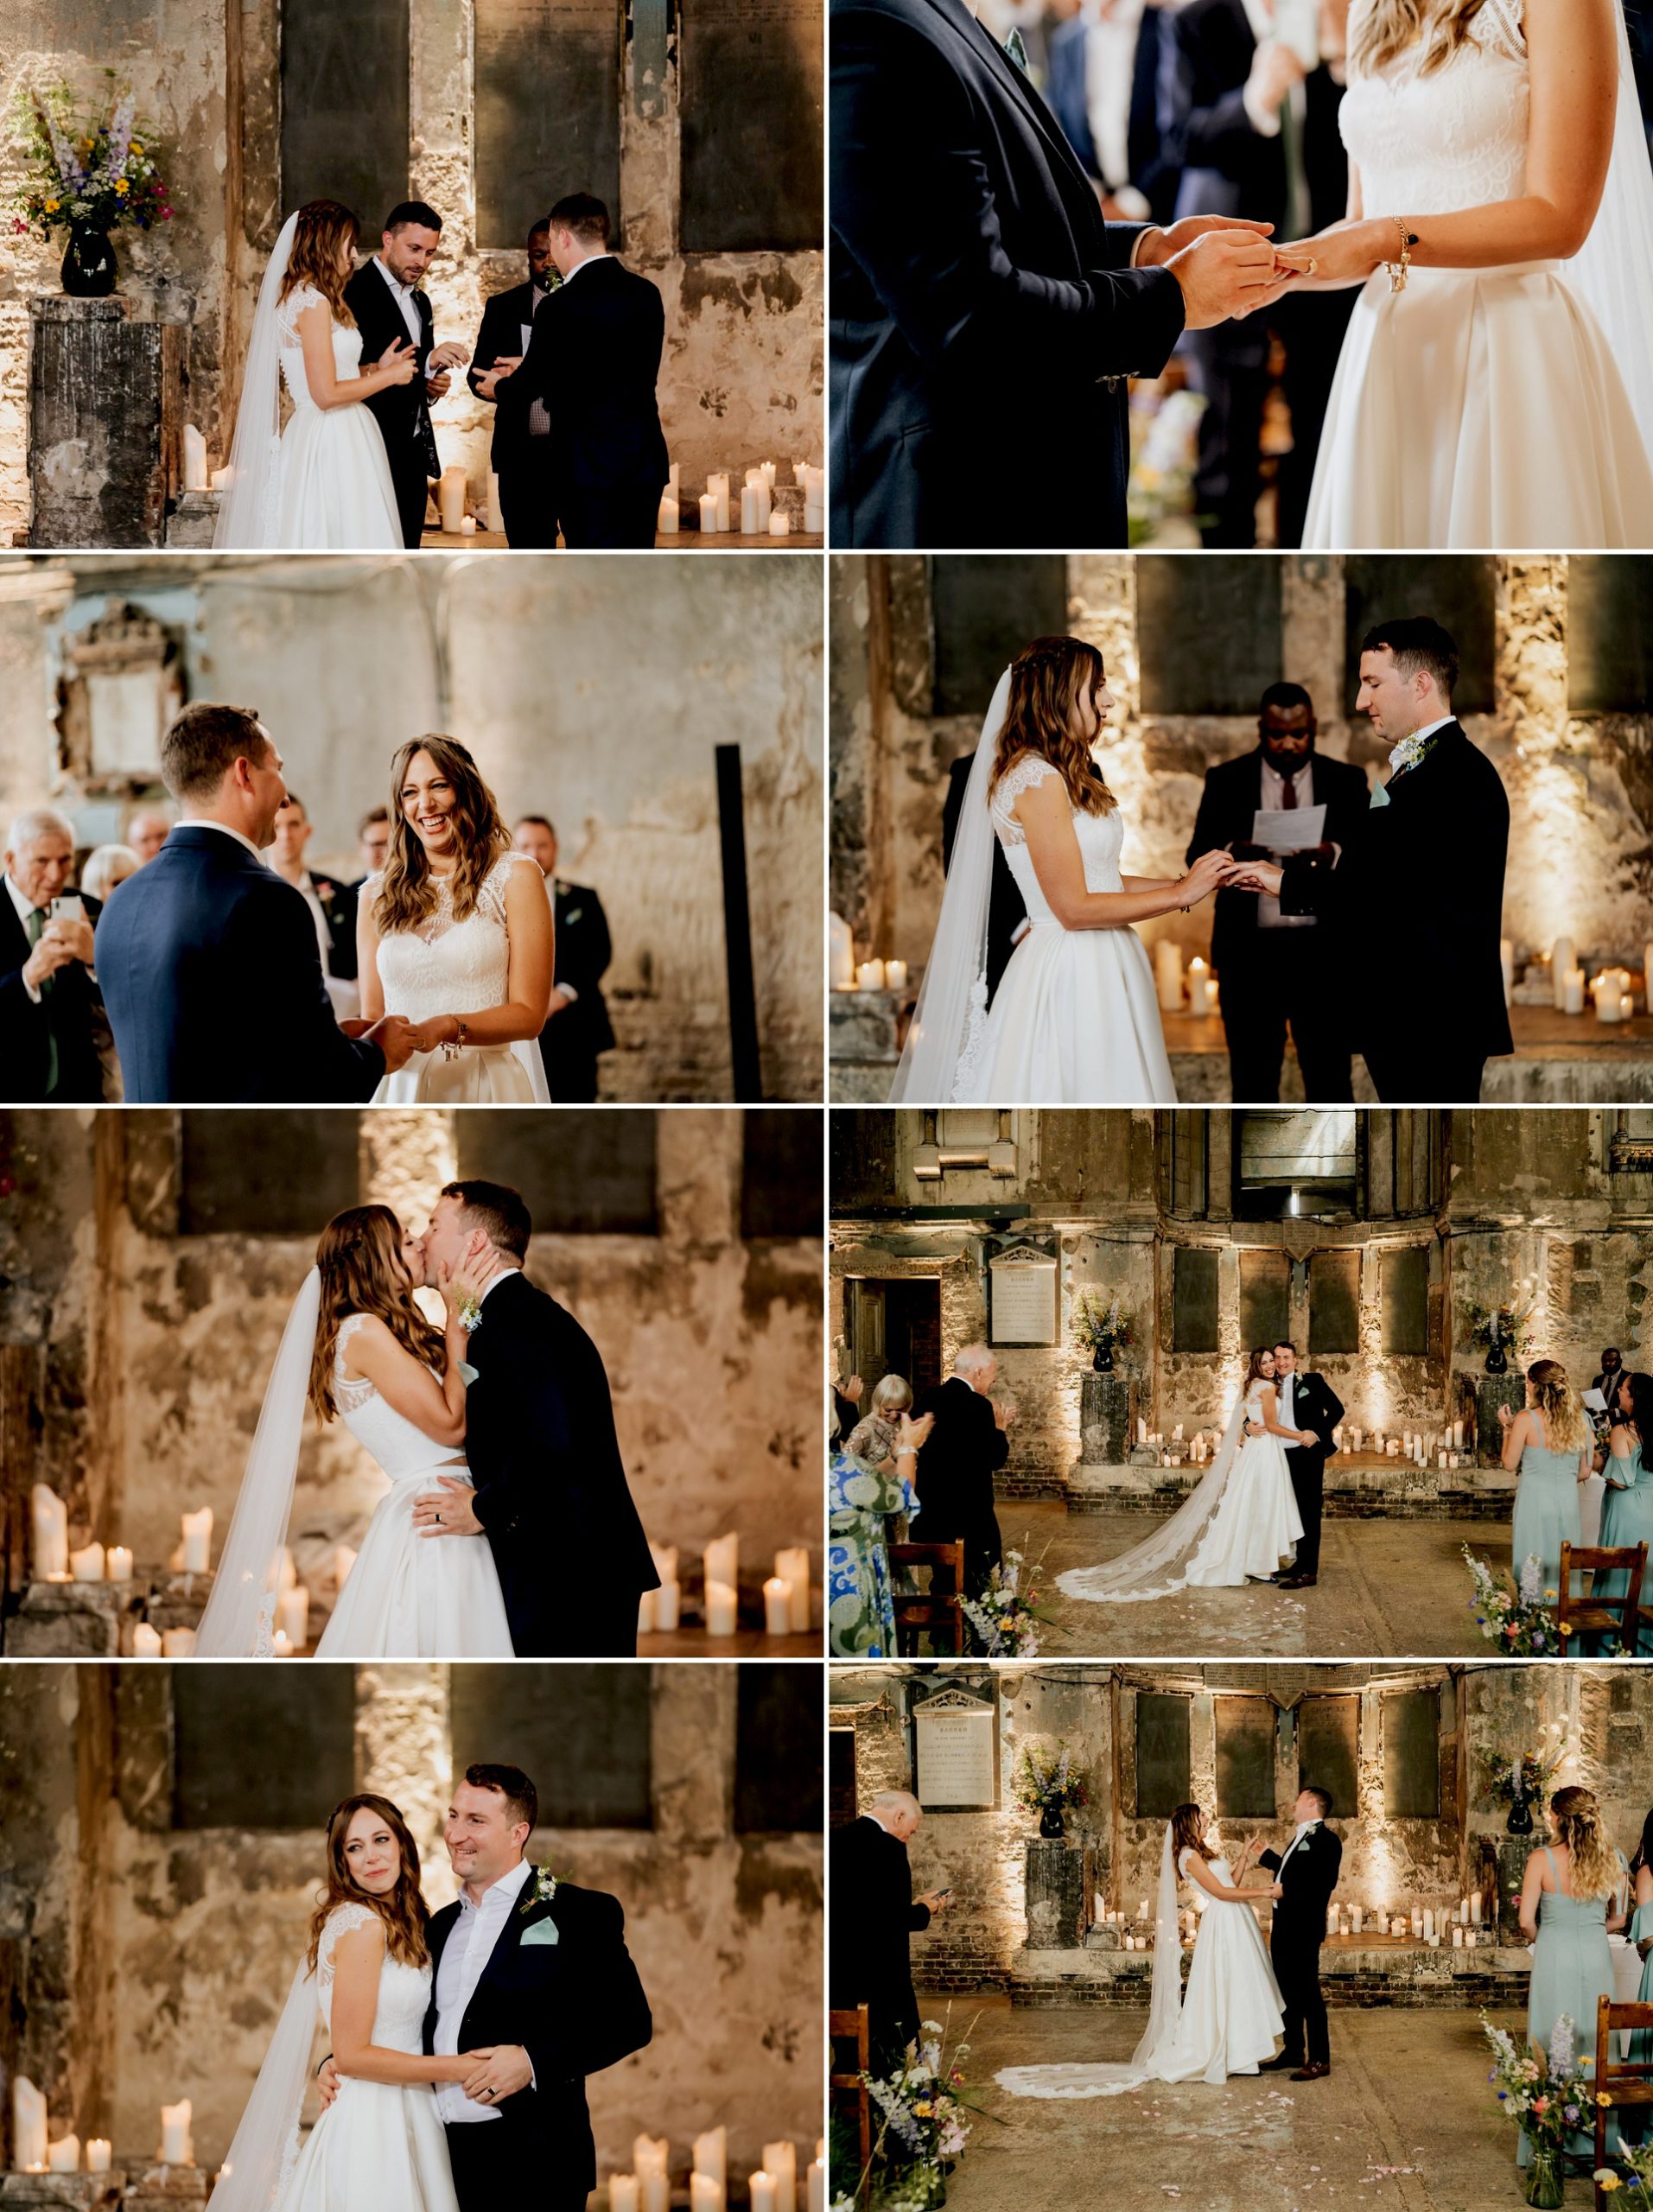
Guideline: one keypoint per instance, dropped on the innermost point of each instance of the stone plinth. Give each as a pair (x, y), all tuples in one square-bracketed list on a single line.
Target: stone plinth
[(73, 1620), (156, 2187), (104, 408), (1104, 1418), (1492, 1391), (863, 1044), (1058, 1877), (193, 520), (1358, 1488), (178, 1601), (61, 2192)]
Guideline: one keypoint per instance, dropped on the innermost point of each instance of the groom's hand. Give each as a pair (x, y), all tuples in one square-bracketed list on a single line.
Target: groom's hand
[(448, 1513), (396, 1038), (1226, 268), (327, 2083), (504, 2070)]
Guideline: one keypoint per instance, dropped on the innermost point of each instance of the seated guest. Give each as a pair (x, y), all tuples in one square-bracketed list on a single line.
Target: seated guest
[(1104, 65), (106, 866), (521, 453), (332, 905), (874, 1913), (51, 1012), (578, 1031), (146, 831)]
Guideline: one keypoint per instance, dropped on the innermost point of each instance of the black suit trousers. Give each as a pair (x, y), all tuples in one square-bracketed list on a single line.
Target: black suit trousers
[(412, 497), (1297, 1969), (621, 518), (1308, 1471), (527, 502), (1276, 982), (492, 2167), (1453, 1077)]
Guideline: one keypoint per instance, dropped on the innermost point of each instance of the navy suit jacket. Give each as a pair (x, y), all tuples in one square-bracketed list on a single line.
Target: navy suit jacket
[(1153, 176), (213, 980), (970, 254)]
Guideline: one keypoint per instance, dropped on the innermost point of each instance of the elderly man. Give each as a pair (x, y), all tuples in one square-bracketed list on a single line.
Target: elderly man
[(50, 1010), (957, 1467), (148, 831), (873, 1913)]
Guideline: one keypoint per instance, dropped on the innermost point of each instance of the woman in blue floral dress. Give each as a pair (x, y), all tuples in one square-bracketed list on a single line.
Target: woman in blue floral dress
[(864, 1496)]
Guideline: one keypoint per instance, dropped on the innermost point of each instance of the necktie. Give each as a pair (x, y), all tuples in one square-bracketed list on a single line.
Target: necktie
[(36, 926), (1298, 218), (1287, 791)]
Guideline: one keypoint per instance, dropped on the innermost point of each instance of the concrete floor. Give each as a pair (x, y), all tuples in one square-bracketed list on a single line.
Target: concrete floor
[(1405, 2121), (1387, 1589)]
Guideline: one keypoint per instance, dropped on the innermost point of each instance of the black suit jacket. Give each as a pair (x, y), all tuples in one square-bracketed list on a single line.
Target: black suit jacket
[(594, 359), (968, 245), (575, 2006), (583, 952), (500, 336), (956, 1468), (1306, 1884), (1228, 806), (401, 410), (1227, 166), (1154, 176), (1417, 905), (550, 1487), (212, 979), (1315, 1405), (872, 1916), (72, 1011), (339, 912)]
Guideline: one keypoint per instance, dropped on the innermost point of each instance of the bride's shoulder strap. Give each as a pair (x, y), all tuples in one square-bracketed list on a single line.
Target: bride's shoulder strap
[(1023, 775), (347, 1329), (1499, 25), (343, 1920)]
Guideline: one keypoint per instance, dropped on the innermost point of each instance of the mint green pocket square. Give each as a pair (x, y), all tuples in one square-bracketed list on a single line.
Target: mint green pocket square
[(542, 1931)]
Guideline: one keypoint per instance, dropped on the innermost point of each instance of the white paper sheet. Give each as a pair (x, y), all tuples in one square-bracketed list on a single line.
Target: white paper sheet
[(1281, 830)]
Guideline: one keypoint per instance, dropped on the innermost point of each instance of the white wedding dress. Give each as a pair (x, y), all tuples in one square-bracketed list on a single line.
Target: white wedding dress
[(333, 491), (1074, 1020), (1229, 2019), (408, 1596), (1478, 407), (453, 967)]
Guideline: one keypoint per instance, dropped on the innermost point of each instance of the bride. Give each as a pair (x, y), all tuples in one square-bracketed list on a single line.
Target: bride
[(366, 1975), (1240, 1523), (455, 933), (356, 1346), (324, 483), (1496, 383), (1227, 2021), (1075, 1019)]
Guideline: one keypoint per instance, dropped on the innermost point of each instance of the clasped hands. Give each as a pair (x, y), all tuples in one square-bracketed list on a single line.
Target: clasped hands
[(495, 2073), (63, 939)]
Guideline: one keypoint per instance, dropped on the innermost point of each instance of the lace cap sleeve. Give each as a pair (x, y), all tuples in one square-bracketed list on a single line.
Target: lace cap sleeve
[(347, 1328), (1499, 27), (1025, 776), (343, 1920), (490, 899), (287, 314)]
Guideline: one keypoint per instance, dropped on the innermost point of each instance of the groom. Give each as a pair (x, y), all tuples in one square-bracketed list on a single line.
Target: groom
[(1306, 1873), (534, 1973), (390, 307), (1307, 1403), (551, 1493), (209, 963)]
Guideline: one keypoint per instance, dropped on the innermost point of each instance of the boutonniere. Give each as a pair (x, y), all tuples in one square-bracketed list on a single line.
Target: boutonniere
[(541, 1890), (573, 914), (469, 1313), (1409, 752)]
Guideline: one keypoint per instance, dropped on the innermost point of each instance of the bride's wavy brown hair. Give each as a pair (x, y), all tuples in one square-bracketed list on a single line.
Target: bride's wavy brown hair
[(359, 1259), (325, 229), (1254, 1368), (1388, 28), (1046, 682), (1188, 1834), (402, 1910), (1566, 1422), (1578, 1825), (407, 891)]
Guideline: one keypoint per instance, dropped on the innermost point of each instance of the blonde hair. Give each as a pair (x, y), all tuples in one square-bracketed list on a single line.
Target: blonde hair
[(1388, 28), (1046, 682), (1595, 1865), (1566, 1424), (892, 1393)]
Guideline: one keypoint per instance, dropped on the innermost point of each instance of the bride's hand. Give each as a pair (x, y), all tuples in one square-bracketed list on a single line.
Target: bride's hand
[(1208, 872), (1345, 253), (398, 363)]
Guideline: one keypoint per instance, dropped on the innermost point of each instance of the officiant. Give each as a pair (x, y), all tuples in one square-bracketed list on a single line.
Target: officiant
[(521, 453), (1272, 967)]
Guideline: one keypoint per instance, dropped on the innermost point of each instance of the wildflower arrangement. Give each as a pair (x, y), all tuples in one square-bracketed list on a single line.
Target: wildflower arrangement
[(925, 2115), (1550, 2099), (1637, 2159), (1529, 1777), (1096, 1324), (1514, 1617), (1506, 1327), (1047, 1778), (1006, 1615), (83, 166)]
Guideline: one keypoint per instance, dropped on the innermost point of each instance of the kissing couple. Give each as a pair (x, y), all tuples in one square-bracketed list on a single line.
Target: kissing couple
[(496, 1435), (460, 2040)]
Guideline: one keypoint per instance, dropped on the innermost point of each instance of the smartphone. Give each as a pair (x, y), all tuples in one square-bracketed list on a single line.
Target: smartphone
[(69, 909), (1297, 26)]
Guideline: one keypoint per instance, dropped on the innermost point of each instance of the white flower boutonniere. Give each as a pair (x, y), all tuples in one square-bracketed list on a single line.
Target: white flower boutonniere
[(1410, 750), (541, 1890), (470, 1314)]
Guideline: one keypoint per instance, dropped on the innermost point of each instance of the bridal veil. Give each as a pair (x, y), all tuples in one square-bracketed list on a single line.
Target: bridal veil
[(247, 513), (1148, 1569)]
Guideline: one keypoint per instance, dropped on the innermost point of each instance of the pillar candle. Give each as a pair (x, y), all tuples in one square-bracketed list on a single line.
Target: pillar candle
[(98, 2154), (194, 459), (1457, 1937), (792, 1566), (450, 499), (777, 1607), (293, 1611), (762, 2190), (623, 2193), (1440, 1459), (817, 2180), (1167, 975), (146, 1644), (780, 2160), (283, 1644), (118, 1564), (869, 976), (1141, 1431), (51, 1533), (668, 1604), (287, 1573), (28, 2127), (708, 529), (1475, 1907), (175, 2149), (749, 503), (64, 2158), (1200, 989), (718, 485), (705, 2195), (1573, 991), (222, 479), (1358, 1915), (1647, 976), (895, 974), (768, 470), (87, 1566), (711, 2155), (780, 525), (668, 522), (721, 1560), (178, 1643), (656, 2193), (646, 1613), (198, 1541), (674, 478), (722, 1609), (343, 1560), (1507, 962), (1561, 966), (648, 2154)]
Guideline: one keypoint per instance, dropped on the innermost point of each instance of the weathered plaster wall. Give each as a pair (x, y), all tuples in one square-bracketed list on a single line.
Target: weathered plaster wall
[(594, 690)]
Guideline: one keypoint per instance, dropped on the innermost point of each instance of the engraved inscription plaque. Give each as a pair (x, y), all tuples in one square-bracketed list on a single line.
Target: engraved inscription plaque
[(548, 95), (1022, 1308), (751, 89), (956, 1767)]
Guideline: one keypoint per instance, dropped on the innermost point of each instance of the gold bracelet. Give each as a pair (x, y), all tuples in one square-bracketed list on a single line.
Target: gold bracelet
[(1398, 270)]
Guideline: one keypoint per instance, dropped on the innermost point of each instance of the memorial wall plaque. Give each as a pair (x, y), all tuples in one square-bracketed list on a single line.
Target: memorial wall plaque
[(956, 1753), (1022, 1302), (750, 91), (548, 95), (344, 106)]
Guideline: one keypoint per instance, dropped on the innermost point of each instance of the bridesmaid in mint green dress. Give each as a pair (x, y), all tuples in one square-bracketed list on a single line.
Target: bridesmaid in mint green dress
[(1640, 2053), (1550, 1442), (1627, 1512), (1572, 1962)]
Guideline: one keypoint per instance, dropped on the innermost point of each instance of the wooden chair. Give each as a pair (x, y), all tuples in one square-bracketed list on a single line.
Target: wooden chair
[(850, 2058), (1624, 2084), (937, 1609), (1622, 1616)]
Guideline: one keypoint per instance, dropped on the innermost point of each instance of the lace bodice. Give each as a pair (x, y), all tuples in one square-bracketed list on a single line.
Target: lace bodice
[(1455, 138), (1220, 1869), (403, 1991), (1254, 1401), (399, 1446), (1100, 836), (448, 966), (346, 344)]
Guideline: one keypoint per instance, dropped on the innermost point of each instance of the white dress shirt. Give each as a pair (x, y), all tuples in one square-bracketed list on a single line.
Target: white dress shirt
[(403, 300), (570, 275), (225, 830), (489, 1288), (1283, 1413), (1303, 1828), (465, 1955), (539, 420), (1110, 38)]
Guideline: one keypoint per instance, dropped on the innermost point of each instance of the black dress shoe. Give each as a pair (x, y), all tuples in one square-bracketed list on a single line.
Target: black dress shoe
[(1316, 2070), (1299, 1581), (1279, 2062)]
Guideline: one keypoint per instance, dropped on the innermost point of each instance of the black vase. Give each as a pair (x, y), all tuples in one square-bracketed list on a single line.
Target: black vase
[(1520, 1821), (1102, 1356), (1050, 1822), (1497, 1364), (89, 264)]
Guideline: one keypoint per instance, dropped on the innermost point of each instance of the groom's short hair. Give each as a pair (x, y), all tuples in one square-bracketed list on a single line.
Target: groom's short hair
[(1417, 641), (204, 743), (407, 212), (522, 1799), (584, 214), (496, 1208)]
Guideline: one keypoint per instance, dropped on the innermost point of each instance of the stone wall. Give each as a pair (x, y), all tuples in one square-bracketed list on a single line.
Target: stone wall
[(161, 1343), (742, 378), (594, 690), (156, 1960)]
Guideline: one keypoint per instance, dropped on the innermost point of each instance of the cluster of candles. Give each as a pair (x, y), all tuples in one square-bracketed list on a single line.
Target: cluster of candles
[(1445, 1447), (1175, 1448), (198, 476), (1467, 1921), (758, 517), (1169, 982), (881, 975), (785, 1594), (1609, 990), (648, 2188), (34, 2154)]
